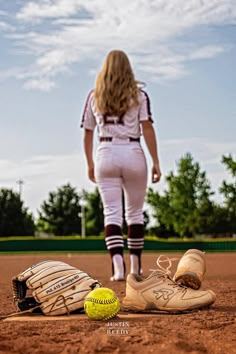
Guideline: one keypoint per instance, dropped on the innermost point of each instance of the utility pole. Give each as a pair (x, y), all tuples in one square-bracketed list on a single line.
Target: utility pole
[(83, 218), (20, 182), (83, 231)]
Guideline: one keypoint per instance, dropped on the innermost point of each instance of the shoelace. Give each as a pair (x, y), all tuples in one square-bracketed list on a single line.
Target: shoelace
[(164, 271)]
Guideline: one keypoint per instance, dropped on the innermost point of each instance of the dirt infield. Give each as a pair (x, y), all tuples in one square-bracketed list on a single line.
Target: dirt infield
[(210, 331)]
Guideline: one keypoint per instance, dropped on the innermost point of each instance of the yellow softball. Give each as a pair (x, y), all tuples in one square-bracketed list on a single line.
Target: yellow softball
[(101, 304)]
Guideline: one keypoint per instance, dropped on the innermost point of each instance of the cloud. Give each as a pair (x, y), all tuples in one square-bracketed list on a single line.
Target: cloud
[(65, 32), (44, 174), (202, 149), (5, 27), (42, 84), (10, 73), (206, 52), (48, 9)]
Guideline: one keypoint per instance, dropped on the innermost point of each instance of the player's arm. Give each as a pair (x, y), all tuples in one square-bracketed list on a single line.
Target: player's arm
[(151, 142), (88, 149)]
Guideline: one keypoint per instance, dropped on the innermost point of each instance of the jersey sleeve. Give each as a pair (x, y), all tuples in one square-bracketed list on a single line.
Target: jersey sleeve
[(88, 120), (145, 108)]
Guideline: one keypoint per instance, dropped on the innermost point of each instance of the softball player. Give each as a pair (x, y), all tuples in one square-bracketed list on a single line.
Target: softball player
[(120, 111)]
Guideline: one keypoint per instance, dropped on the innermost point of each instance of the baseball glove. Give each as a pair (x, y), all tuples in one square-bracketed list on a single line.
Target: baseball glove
[(52, 288)]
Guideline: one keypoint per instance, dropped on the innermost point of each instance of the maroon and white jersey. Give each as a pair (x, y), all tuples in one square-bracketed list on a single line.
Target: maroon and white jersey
[(117, 127)]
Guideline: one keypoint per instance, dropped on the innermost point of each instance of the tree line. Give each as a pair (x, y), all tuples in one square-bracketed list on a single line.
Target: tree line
[(184, 209)]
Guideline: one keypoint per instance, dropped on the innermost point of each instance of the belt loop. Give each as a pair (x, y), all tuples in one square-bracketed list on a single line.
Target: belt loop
[(104, 138), (134, 139)]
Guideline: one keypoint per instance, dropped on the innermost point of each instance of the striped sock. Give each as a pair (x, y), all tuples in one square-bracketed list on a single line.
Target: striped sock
[(114, 239), (115, 245), (135, 245)]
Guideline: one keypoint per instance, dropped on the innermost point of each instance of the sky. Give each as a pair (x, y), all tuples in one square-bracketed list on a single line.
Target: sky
[(51, 52)]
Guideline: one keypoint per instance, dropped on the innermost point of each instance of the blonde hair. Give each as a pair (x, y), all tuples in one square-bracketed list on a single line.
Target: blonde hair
[(116, 89)]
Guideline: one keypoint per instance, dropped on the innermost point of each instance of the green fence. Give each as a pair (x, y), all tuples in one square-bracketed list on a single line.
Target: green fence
[(91, 244)]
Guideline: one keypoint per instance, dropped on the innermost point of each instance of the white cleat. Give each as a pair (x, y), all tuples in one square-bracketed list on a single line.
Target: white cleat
[(191, 269), (159, 292)]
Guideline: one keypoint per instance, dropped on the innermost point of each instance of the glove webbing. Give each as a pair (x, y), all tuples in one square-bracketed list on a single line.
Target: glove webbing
[(19, 289)]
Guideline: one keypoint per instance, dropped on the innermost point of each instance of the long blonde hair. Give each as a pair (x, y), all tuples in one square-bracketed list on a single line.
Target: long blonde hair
[(116, 89)]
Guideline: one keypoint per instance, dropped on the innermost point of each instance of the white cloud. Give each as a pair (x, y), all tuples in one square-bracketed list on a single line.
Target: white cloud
[(65, 32), (48, 9), (5, 27), (43, 174), (42, 84), (206, 52), (9, 73), (195, 11), (205, 150)]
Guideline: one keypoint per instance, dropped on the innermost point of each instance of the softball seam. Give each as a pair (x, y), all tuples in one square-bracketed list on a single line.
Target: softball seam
[(101, 302)]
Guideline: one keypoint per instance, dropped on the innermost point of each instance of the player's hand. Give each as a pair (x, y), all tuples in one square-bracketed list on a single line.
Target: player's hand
[(91, 173), (156, 173)]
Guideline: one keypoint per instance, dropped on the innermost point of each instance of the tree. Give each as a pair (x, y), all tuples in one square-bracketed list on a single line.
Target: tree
[(60, 214), (229, 189), (162, 214), (185, 207), (94, 212), (15, 220), (229, 192)]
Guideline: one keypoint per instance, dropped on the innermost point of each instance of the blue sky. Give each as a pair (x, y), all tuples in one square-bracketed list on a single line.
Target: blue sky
[(51, 50)]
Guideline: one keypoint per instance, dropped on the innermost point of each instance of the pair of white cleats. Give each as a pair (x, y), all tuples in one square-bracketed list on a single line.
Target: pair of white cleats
[(160, 292)]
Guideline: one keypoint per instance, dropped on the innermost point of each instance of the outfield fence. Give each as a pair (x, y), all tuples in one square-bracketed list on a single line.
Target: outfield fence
[(98, 244)]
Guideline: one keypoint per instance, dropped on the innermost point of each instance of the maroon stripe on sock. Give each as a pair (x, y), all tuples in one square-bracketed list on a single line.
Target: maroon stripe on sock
[(112, 230), (136, 231)]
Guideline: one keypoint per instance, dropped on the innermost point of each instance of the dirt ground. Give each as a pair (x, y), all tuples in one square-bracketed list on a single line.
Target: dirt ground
[(210, 331)]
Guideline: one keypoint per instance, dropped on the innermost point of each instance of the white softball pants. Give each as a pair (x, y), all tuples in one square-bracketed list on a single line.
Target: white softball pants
[(121, 165)]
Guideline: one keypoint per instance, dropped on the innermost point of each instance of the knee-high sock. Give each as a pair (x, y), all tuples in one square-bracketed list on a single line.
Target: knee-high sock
[(115, 245), (114, 239), (135, 246)]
